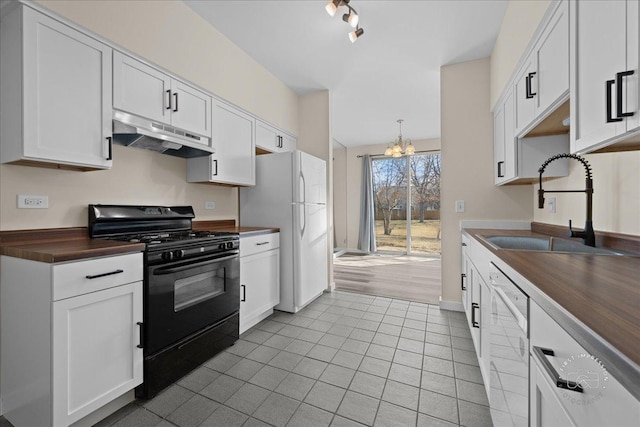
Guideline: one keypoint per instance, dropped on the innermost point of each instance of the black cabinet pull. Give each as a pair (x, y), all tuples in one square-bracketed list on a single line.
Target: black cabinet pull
[(141, 344), (175, 110), (244, 293), (474, 323), (169, 96), (551, 371), (215, 167), (619, 77), (110, 139), (500, 172), (111, 273), (530, 93), (608, 86), (463, 277)]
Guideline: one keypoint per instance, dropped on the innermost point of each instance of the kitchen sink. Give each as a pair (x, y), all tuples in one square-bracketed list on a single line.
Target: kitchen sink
[(544, 244)]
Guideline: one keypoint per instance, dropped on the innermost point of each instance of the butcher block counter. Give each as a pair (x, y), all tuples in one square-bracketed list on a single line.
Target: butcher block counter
[(596, 298), (60, 245)]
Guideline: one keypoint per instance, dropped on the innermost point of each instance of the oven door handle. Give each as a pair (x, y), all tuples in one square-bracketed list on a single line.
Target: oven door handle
[(189, 266)]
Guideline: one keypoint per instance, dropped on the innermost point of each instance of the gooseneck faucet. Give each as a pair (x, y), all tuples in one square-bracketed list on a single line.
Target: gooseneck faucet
[(587, 234)]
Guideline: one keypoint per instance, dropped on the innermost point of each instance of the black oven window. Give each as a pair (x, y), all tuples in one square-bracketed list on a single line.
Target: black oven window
[(195, 289)]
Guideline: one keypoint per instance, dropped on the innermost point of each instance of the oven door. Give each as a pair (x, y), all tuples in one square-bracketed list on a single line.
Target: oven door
[(183, 297)]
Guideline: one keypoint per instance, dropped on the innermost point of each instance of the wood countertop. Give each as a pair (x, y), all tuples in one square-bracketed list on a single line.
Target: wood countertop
[(601, 292), (59, 245)]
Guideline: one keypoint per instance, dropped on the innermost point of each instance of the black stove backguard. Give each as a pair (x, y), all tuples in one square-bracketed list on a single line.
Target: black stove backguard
[(114, 220)]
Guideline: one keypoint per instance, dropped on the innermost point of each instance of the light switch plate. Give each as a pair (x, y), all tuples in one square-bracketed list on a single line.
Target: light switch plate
[(459, 206)]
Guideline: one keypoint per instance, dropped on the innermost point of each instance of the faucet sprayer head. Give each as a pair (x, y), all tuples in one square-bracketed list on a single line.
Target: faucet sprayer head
[(540, 198)]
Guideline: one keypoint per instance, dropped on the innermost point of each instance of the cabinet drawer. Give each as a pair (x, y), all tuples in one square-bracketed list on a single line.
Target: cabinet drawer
[(82, 277), (260, 243), (603, 400)]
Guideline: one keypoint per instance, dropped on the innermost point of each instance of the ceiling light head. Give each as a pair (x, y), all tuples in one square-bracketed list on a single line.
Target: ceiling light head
[(410, 149), (351, 18), (388, 151), (355, 34), (332, 7)]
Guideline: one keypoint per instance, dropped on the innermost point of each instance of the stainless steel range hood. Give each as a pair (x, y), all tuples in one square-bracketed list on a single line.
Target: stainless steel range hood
[(134, 131)]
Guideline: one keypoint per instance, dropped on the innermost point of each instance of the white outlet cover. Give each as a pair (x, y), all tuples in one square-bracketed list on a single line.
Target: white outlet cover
[(209, 205), (26, 201)]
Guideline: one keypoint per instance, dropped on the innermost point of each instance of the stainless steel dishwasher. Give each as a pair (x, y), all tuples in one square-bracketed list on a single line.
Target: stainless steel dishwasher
[(509, 348)]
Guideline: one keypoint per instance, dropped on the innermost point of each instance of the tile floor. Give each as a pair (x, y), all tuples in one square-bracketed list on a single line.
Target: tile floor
[(345, 360)]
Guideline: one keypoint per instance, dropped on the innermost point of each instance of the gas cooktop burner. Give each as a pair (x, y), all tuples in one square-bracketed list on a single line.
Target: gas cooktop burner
[(172, 237)]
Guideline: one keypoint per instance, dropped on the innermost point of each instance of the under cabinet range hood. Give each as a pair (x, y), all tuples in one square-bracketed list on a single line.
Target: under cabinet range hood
[(134, 131)]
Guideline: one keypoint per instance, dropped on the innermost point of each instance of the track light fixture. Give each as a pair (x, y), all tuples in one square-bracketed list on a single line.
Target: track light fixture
[(352, 17), (332, 6), (355, 34)]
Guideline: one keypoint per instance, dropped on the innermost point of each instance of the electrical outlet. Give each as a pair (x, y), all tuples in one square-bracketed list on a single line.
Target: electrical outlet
[(551, 204), (32, 202), (209, 205), (459, 206)]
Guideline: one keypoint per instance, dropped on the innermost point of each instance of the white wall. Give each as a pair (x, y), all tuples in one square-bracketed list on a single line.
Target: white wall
[(340, 195), (518, 25), (467, 165), (191, 49), (315, 139), (348, 178), (616, 194)]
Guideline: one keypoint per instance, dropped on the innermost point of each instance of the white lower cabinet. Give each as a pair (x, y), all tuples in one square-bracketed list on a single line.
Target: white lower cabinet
[(602, 402), (259, 278), (70, 337)]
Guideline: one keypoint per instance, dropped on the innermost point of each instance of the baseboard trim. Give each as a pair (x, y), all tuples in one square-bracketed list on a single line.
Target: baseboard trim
[(451, 305)]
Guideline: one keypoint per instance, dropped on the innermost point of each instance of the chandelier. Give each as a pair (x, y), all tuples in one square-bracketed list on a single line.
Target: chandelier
[(400, 146)]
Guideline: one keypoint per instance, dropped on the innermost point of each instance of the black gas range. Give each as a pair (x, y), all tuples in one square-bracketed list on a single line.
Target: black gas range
[(191, 287)]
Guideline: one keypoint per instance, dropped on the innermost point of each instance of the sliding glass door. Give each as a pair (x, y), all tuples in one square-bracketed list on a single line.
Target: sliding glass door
[(407, 203)]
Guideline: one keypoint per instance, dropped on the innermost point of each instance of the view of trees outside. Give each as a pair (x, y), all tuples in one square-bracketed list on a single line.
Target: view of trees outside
[(392, 181)]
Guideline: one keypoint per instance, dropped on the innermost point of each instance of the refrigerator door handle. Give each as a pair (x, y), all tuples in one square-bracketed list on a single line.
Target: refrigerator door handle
[(303, 219), (303, 185)]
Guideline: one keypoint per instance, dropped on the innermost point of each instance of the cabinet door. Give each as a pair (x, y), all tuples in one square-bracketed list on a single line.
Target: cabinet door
[(260, 285), (552, 60), (190, 109), (287, 143), (510, 158), (474, 317), (67, 94), (140, 89), (498, 144), (266, 137), (485, 331), (95, 353), (599, 49), (526, 92), (545, 408), (234, 142)]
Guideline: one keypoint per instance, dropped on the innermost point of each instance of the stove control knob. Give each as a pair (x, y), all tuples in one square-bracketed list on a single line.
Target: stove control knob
[(229, 245), (167, 256), (179, 253), (221, 246)]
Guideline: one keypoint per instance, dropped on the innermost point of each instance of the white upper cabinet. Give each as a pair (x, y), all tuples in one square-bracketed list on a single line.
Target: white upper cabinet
[(604, 71), (234, 143), (56, 103), (147, 92), (504, 143), (543, 81), (140, 89), (272, 140)]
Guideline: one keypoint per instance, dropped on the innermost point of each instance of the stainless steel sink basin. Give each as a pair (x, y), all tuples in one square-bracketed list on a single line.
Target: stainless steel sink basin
[(544, 244)]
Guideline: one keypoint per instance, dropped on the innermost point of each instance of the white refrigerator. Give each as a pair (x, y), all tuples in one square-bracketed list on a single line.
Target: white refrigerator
[(291, 193)]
